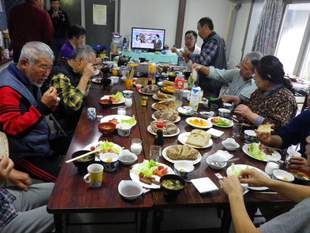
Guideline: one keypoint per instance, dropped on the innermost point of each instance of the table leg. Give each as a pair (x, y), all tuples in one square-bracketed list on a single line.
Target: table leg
[(60, 223)]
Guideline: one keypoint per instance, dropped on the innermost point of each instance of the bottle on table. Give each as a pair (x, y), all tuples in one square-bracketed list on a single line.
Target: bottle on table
[(159, 138), (195, 98)]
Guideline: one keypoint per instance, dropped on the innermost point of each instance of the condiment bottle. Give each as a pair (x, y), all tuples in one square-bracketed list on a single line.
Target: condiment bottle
[(159, 138)]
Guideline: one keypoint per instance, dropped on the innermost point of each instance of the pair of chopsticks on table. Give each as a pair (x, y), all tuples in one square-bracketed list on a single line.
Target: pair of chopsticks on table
[(82, 156)]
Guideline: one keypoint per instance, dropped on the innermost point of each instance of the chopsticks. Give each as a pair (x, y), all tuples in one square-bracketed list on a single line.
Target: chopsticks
[(82, 156)]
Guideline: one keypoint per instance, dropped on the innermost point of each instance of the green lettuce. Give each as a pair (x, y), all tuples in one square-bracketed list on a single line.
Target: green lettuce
[(256, 152)]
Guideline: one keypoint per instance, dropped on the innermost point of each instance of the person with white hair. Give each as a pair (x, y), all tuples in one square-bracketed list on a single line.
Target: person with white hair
[(71, 79), (235, 82), (23, 109)]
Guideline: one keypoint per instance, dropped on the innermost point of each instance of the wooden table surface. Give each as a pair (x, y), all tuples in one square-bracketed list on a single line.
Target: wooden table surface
[(71, 194)]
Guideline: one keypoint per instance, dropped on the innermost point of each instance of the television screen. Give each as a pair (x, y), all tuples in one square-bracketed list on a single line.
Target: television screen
[(147, 38)]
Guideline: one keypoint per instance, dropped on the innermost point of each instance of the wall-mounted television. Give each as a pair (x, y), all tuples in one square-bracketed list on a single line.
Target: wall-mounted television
[(147, 38)]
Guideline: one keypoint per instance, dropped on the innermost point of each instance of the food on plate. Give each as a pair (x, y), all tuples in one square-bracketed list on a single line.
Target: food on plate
[(265, 128), (256, 151), (169, 89), (165, 105), (218, 121), (169, 115), (182, 152), (117, 98), (198, 138), (172, 184), (148, 170), (162, 96), (149, 89), (106, 146), (130, 121), (168, 83), (199, 122), (301, 175), (168, 127), (236, 170)]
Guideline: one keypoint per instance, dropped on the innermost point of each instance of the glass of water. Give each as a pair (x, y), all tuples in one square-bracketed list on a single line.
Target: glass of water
[(155, 152)]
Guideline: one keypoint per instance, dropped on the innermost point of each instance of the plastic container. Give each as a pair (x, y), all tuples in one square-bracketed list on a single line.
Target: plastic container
[(195, 98)]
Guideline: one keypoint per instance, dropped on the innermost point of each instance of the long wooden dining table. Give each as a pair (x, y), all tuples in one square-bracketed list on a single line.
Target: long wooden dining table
[(72, 195)]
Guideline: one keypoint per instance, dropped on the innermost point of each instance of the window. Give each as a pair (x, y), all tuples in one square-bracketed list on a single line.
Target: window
[(293, 48)]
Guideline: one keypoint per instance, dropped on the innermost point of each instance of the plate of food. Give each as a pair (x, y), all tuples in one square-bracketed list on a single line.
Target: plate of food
[(168, 115), (165, 105), (186, 110), (162, 96), (221, 122), (148, 173), (119, 119), (115, 99), (169, 128), (104, 147), (149, 90), (198, 122), (236, 169), (176, 153), (260, 152), (197, 138), (169, 89)]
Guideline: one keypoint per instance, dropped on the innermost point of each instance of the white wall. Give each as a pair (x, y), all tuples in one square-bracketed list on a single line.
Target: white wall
[(150, 13), (217, 10), (239, 34)]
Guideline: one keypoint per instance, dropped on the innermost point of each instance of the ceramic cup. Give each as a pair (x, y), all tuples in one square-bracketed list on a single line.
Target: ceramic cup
[(94, 176)]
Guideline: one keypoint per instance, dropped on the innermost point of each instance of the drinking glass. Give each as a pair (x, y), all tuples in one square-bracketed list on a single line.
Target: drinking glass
[(155, 152)]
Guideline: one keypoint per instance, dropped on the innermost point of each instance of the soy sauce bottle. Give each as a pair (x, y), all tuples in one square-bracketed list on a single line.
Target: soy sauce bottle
[(159, 138)]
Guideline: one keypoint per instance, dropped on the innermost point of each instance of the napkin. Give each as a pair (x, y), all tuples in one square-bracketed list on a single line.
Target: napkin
[(204, 185), (215, 133)]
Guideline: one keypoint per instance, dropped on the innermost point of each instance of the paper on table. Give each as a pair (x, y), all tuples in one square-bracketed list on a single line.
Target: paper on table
[(215, 132), (204, 185)]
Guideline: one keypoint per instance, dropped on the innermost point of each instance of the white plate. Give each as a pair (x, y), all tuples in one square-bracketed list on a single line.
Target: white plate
[(185, 112), (177, 120), (135, 177), (117, 117), (231, 123), (199, 127), (153, 106), (108, 96), (149, 129), (164, 153), (155, 97), (276, 156), (229, 172), (89, 146), (183, 137)]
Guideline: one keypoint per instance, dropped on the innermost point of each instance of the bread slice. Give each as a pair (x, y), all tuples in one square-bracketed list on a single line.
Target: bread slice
[(265, 128), (198, 138)]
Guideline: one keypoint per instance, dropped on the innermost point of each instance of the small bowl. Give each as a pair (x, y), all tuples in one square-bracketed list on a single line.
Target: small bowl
[(127, 93), (83, 163), (171, 193), (301, 177), (250, 136), (114, 80), (282, 175), (230, 144), (106, 127), (123, 130), (129, 189), (183, 168), (110, 161), (212, 159), (223, 112), (127, 158), (105, 103)]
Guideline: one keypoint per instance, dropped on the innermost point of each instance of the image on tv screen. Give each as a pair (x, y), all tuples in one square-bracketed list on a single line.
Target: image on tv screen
[(151, 39)]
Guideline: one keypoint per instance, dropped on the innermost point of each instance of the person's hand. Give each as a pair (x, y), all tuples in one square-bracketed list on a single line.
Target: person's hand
[(20, 179), (89, 71), (231, 99), (50, 98), (254, 178), (6, 166), (196, 66), (264, 138), (174, 49), (298, 163), (243, 110), (231, 185)]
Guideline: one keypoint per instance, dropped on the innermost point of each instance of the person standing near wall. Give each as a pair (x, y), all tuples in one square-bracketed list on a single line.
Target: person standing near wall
[(61, 25), (29, 22)]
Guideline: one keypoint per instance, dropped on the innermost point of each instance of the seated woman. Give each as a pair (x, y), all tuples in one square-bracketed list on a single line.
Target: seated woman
[(273, 101)]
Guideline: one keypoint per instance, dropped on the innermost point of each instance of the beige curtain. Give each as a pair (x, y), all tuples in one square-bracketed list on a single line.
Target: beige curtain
[(267, 33)]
